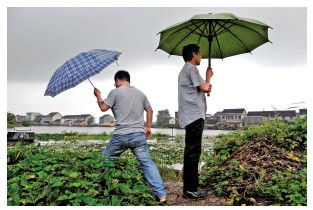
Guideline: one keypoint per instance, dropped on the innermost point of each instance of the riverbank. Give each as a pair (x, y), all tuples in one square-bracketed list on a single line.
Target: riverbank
[(107, 130), (256, 165)]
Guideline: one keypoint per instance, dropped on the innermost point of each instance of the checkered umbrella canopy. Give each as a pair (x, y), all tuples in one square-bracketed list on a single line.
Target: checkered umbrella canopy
[(78, 69)]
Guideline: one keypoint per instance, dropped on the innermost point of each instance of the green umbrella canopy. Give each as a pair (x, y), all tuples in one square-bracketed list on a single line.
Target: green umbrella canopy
[(218, 35)]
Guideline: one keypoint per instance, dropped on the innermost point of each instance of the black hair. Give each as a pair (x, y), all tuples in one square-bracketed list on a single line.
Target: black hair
[(122, 75), (189, 50)]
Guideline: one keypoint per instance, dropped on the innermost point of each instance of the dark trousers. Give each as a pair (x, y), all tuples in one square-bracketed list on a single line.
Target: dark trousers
[(192, 155)]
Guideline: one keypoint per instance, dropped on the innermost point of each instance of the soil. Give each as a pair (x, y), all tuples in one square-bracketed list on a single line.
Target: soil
[(174, 191), (259, 153)]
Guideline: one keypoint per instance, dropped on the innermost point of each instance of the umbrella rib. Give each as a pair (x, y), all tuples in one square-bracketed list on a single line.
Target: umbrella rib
[(220, 26), (237, 24), (185, 27), (251, 30), (191, 31), (222, 29), (201, 34), (209, 32), (227, 29), (218, 43)]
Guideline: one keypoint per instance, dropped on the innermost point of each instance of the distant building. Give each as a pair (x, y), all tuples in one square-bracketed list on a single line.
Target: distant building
[(171, 120), (68, 119), (211, 122), (50, 118), (218, 114), (302, 112), (81, 120), (176, 118), (207, 115), (32, 115), (57, 122), (20, 119), (258, 117), (37, 119), (232, 118), (106, 120)]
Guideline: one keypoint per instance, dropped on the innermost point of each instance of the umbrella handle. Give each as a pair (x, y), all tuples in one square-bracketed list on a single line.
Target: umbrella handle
[(208, 93)]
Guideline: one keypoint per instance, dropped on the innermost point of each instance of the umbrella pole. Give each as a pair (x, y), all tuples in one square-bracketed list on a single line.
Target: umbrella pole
[(210, 39), (209, 58), (91, 83)]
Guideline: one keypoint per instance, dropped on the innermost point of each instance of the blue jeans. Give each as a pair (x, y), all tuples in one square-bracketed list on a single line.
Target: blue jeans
[(138, 144)]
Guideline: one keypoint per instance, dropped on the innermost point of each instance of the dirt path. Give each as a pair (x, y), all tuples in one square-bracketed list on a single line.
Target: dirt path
[(174, 192)]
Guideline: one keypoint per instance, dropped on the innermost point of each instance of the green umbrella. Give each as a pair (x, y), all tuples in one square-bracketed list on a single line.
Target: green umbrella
[(218, 35)]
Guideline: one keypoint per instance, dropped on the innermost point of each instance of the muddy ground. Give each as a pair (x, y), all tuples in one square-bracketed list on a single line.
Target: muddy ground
[(174, 192)]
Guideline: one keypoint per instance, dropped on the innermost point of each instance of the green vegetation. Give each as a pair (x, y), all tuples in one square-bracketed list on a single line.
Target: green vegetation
[(163, 117), (85, 136), (255, 165), (72, 136), (11, 122), (46, 176), (260, 165)]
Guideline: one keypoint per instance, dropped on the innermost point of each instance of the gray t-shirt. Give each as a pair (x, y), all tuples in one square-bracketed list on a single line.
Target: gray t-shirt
[(191, 101), (128, 105)]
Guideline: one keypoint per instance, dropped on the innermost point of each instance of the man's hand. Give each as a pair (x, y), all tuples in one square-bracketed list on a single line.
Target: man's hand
[(148, 132), (209, 74), (96, 92)]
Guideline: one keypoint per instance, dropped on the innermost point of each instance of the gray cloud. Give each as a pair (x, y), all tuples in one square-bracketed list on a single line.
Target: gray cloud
[(41, 39)]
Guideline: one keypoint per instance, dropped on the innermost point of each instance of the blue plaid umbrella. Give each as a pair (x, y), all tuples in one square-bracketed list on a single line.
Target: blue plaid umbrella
[(78, 69)]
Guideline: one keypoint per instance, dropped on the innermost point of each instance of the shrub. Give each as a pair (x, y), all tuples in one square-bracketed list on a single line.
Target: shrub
[(273, 172)]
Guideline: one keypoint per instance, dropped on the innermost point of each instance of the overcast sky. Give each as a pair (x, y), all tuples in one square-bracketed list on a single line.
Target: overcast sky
[(39, 40)]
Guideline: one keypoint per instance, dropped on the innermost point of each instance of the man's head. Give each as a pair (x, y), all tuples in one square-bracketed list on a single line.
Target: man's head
[(121, 78), (191, 53)]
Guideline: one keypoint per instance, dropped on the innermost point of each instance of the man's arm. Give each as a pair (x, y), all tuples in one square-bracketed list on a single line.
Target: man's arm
[(149, 117), (206, 87), (103, 107)]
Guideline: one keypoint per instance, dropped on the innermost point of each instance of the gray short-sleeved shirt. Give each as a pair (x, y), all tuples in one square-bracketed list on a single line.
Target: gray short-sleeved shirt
[(191, 101), (128, 105)]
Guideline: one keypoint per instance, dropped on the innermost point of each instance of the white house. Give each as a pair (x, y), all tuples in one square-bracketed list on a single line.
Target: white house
[(232, 117), (76, 119), (68, 119), (106, 120), (258, 117), (83, 119), (20, 118), (171, 120), (50, 118), (32, 115)]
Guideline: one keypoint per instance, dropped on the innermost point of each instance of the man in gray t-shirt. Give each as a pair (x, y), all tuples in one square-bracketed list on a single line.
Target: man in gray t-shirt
[(191, 113), (128, 105), (192, 102)]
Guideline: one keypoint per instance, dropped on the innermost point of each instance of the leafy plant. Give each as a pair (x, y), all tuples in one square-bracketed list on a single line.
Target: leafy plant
[(65, 177), (287, 188), (235, 179), (72, 136)]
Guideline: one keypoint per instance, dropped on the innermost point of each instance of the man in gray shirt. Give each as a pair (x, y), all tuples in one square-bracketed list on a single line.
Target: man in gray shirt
[(128, 105), (192, 111)]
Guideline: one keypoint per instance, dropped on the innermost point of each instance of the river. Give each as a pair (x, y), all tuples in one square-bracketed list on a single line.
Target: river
[(98, 130)]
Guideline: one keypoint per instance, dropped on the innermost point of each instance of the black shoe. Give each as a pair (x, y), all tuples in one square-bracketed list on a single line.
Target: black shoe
[(194, 195)]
